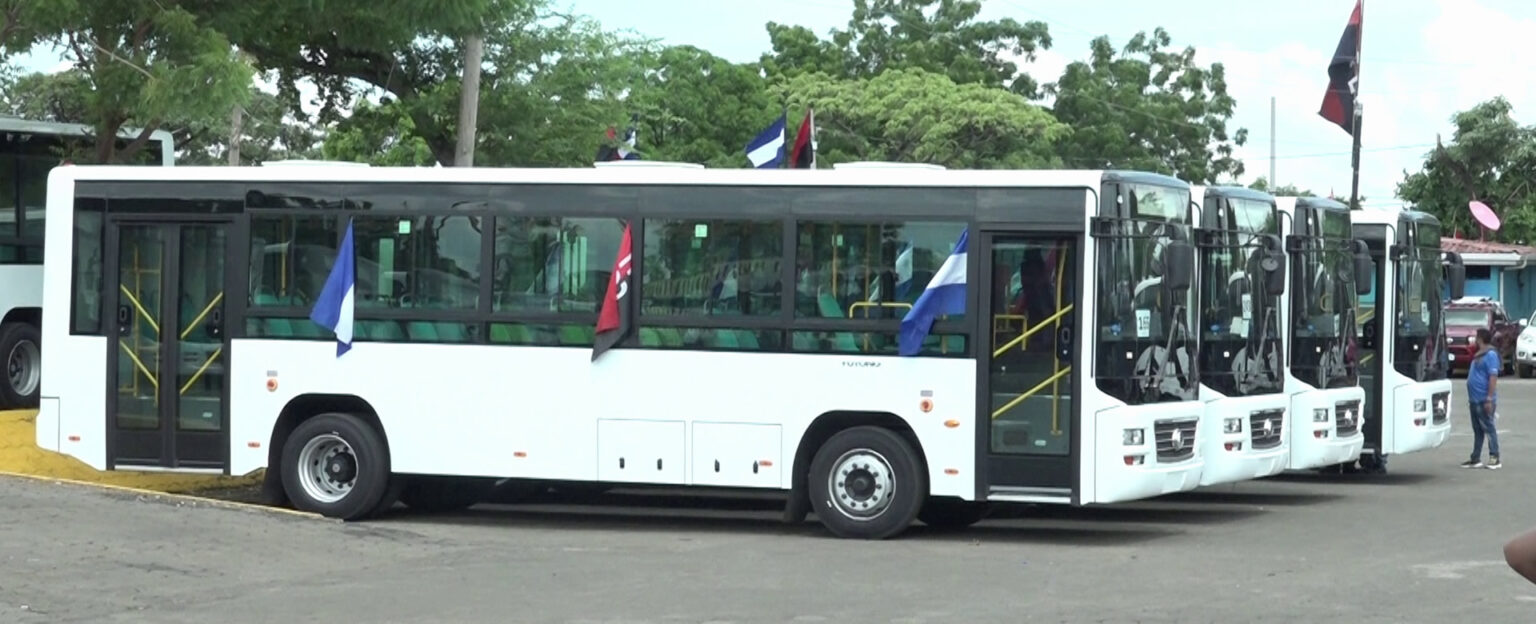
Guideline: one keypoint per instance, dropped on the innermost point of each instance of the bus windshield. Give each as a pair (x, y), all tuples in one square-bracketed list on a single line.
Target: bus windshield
[(1420, 353), (1144, 334), (1323, 345), (1240, 322)]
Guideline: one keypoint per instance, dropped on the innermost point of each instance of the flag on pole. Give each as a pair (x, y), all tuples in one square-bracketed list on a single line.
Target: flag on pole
[(334, 307), (945, 294), (803, 156), (766, 150), (1344, 76), (613, 320)]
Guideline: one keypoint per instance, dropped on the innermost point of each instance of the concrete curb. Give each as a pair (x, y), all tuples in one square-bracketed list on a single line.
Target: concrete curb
[(199, 500)]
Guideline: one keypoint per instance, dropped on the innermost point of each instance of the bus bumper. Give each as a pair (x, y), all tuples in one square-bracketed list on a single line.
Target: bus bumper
[(48, 424), (1163, 458), (1319, 434), (1233, 426), (1421, 417)]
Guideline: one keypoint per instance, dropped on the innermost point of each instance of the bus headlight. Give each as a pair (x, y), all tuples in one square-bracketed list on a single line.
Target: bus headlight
[(1232, 425), (1320, 415), (1420, 405), (1133, 437)]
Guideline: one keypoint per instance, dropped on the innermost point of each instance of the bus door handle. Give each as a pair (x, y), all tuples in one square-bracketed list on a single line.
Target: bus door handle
[(124, 318), (216, 322)]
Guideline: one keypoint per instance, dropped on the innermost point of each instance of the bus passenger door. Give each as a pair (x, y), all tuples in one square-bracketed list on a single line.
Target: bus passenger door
[(1025, 365), (167, 395)]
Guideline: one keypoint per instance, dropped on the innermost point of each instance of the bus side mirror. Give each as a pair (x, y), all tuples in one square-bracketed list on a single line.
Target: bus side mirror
[(1178, 265), (1272, 262), (1364, 268), (1456, 275)]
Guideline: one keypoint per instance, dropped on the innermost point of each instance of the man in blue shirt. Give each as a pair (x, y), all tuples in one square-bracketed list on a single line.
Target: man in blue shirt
[(1483, 396)]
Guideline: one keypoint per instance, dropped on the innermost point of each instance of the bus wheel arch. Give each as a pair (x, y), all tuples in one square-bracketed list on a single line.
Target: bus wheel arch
[(830, 425), (346, 424)]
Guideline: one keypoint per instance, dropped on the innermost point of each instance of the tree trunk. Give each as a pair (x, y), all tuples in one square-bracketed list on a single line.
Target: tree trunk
[(236, 120), (469, 101)]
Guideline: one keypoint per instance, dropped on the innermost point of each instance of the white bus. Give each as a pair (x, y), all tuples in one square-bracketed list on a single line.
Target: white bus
[(766, 307), (1322, 375), (28, 151), (1242, 360), (1406, 366)]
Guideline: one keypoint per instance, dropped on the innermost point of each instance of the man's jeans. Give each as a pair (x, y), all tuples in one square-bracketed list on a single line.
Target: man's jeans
[(1482, 424)]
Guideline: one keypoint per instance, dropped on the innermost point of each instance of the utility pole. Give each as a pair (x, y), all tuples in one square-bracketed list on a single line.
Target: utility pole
[(469, 101), (1273, 183), (236, 120)]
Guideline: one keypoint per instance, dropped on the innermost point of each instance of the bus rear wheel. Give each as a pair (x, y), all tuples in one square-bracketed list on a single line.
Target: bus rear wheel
[(867, 483), (336, 465), (23, 365)]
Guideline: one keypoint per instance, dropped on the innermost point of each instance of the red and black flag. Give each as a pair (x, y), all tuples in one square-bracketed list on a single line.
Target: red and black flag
[(803, 155), (1344, 76), (614, 322)]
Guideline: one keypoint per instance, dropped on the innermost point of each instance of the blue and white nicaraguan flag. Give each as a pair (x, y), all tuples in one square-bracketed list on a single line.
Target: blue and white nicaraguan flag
[(333, 308), (766, 150), (945, 294)]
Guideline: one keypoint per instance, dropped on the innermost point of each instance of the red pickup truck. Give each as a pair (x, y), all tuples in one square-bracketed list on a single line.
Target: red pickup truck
[(1464, 316)]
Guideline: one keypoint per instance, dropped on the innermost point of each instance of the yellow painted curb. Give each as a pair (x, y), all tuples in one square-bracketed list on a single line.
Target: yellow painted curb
[(19, 454), (212, 502)]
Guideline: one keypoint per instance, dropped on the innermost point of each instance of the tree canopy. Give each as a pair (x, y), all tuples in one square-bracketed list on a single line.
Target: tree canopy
[(1491, 158)]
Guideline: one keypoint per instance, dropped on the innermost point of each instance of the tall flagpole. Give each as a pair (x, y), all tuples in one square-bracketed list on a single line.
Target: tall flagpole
[(1354, 88)]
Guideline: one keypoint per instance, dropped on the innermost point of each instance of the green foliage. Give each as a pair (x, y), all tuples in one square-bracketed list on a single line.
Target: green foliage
[(146, 63), (1491, 158), (696, 107), (1148, 108), (916, 116), (939, 36), (1284, 190)]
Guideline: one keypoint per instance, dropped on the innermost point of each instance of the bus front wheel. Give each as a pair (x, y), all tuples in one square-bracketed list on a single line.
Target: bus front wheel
[(336, 465), (867, 483)]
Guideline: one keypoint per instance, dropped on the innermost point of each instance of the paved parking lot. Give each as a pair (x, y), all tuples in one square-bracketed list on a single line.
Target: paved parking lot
[(1421, 544)]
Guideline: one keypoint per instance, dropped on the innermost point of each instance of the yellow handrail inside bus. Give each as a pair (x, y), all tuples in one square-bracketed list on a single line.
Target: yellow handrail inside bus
[(201, 369), (206, 309), (879, 304), (1031, 392), (139, 364), (1031, 331), (140, 307)]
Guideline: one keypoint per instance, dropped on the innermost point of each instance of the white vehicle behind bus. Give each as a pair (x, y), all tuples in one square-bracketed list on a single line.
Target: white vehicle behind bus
[(765, 307), (28, 151), (1406, 366), (1322, 376)]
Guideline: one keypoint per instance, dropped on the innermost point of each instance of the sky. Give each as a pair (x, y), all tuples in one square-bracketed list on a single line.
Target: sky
[(1422, 61)]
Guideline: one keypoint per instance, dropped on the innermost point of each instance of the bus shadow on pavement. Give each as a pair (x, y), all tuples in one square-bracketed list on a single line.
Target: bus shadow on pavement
[(1259, 499), (647, 519), (1391, 478)]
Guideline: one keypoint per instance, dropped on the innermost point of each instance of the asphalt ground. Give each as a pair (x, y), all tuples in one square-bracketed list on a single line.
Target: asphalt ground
[(1420, 544)]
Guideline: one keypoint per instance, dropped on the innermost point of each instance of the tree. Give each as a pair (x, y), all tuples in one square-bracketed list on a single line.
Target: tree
[(544, 102), (917, 116), (1146, 107), (146, 62), (1492, 159), (939, 36), (1285, 190), (409, 49), (696, 107)]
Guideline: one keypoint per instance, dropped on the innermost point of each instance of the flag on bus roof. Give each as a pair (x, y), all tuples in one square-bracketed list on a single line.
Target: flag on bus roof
[(614, 321), (766, 150), (803, 155), (333, 308), (1344, 76), (945, 294), (613, 149)]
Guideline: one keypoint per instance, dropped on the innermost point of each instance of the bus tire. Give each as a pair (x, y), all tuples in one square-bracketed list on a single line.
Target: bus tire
[(336, 465), (951, 513), (867, 483), (20, 345), (437, 494)]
